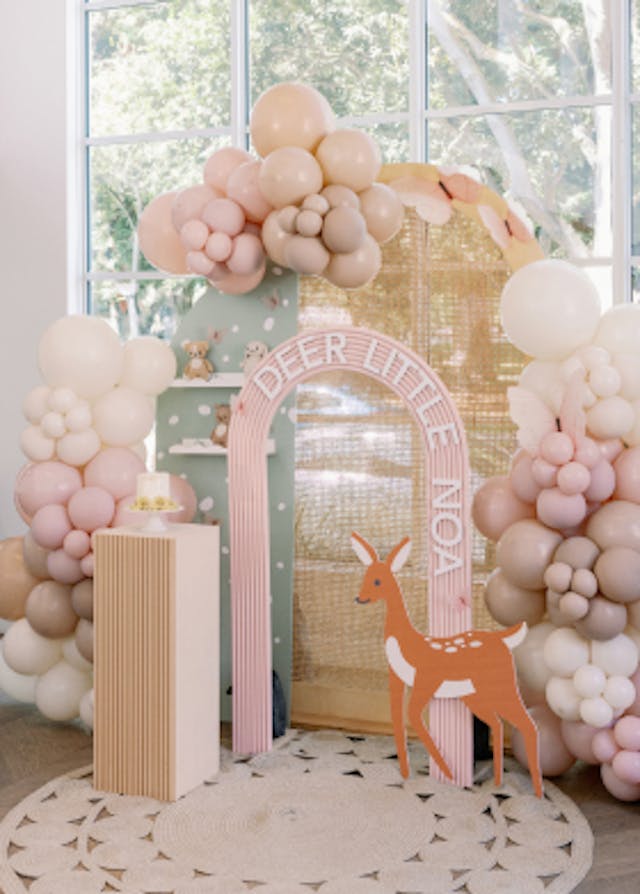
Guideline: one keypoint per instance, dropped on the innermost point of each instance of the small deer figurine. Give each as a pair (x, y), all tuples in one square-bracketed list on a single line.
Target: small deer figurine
[(476, 666)]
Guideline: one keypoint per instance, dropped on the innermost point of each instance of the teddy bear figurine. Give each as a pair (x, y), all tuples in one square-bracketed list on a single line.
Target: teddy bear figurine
[(198, 366), (254, 353), (220, 432)]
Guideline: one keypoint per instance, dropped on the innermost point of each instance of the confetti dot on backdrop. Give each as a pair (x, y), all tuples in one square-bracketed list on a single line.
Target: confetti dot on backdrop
[(268, 324), (277, 271), (173, 420), (161, 454), (225, 550), (276, 640), (226, 358), (235, 328), (283, 410), (205, 504), (204, 410), (281, 506), (293, 414), (183, 475), (280, 565), (285, 302)]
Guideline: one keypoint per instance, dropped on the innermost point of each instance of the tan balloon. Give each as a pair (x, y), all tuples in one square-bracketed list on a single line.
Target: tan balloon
[(337, 195), (618, 573), (382, 210), (605, 619), (82, 599), (84, 639), (577, 552), (288, 175), (158, 238), (495, 507), (356, 269), (510, 604), (275, 239), (524, 551), (349, 157), (290, 114), (344, 229), (35, 557), (49, 610), (616, 524), (306, 255), (16, 581)]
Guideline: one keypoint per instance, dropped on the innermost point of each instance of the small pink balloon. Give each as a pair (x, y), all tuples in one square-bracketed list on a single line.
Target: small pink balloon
[(198, 262), (243, 187), (219, 246), (194, 234), (77, 544), (573, 478), (522, 481), (50, 525), (224, 216), (495, 507), (627, 733), (578, 737), (114, 469), (604, 746), (603, 482), (555, 757), (64, 568), (91, 508), (611, 448), (626, 766), (40, 484), (219, 166), (560, 511), (189, 204), (557, 448), (247, 255), (587, 452), (236, 284), (185, 496), (623, 791), (627, 472), (544, 473), (87, 565)]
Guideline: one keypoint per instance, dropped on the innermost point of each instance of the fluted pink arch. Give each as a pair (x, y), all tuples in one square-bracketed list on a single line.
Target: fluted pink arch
[(447, 510)]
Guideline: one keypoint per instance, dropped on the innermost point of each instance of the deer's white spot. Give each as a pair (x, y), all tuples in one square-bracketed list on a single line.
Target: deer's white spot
[(436, 645), (397, 662), (475, 643), (451, 649)]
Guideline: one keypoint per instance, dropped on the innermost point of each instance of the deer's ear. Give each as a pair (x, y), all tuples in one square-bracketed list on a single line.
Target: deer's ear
[(399, 555), (363, 550)]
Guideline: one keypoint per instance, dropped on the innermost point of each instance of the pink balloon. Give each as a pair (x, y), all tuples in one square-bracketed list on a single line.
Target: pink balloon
[(189, 204), (158, 238), (125, 516), (63, 568), (611, 448), (114, 469), (237, 284), (218, 247), (555, 757), (626, 732), (77, 544), (627, 471), (495, 507), (587, 452), (194, 234), (578, 737), (50, 525), (200, 263), (574, 478), (603, 482), (219, 166), (224, 216), (635, 707), (522, 480), (87, 565), (247, 255), (185, 496), (40, 484), (623, 791), (561, 511), (242, 187), (91, 508), (604, 746), (626, 766), (544, 473)]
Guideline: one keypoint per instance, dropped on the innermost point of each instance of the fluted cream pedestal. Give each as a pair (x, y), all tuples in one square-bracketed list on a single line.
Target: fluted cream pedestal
[(157, 656)]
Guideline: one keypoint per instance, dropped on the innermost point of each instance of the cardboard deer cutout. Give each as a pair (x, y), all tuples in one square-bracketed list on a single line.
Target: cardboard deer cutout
[(476, 666)]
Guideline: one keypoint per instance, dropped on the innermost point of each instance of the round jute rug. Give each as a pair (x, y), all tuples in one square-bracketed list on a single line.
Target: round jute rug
[(321, 812)]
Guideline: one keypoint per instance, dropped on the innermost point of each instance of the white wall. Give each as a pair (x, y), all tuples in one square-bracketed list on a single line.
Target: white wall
[(33, 211)]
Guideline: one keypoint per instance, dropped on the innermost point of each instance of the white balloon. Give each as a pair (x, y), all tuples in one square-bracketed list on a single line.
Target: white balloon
[(619, 692), (18, 686), (82, 353), (632, 437), (73, 657), (617, 656), (589, 680), (79, 417), (26, 652), (562, 698), (76, 448), (544, 378), (611, 417), (36, 403), (619, 330), (60, 690), (52, 425), (628, 365), (149, 365), (565, 651), (123, 416), (62, 399), (549, 309), (86, 708), (528, 657), (596, 712), (35, 445)]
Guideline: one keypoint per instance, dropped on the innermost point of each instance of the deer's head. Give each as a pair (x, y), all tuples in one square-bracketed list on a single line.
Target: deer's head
[(379, 577)]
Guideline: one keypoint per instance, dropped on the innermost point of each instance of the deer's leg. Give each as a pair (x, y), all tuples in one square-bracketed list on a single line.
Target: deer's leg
[(396, 699), (420, 697), (493, 721), (517, 715)]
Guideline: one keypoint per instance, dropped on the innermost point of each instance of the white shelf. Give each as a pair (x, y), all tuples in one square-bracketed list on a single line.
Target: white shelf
[(204, 447), (217, 380)]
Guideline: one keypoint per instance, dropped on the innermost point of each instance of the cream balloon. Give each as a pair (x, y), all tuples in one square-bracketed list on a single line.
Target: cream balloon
[(73, 657), (18, 686), (528, 657), (382, 210), (86, 708), (60, 690), (350, 158), (123, 416), (149, 365), (619, 330), (288, 175), (275, 239), (26, 652), (36, 403), (77, 448), (290, 114), (565, 651), (35, 445), (351, 271)]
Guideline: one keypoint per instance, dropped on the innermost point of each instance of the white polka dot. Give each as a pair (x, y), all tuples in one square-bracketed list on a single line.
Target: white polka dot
[(235, 328), (280, 565), (293, 415), (226, 480), (160, 454), (281, 506), (268, 324), (206, 504), (277, 271), (283, 410), (173, 420), (285, 302), (226, 358), (436, 645), (204, 410), (225, 550), (183, 475), (451, 649), (276, 640)]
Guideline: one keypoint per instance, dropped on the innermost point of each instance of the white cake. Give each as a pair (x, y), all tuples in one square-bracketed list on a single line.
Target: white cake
[(153, 492)]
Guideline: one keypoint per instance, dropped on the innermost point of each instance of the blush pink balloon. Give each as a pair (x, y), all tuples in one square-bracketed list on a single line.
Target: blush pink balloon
[(224, 216), (194, 234), (560, 511), (40, 484), (64, 568), (189, 204), (555, 757), (574, 478), (522, 480), (114, 469), (237, 284), (185, 496), (611, 448), (242, 187), (623, 791), (219, 166), (200, 263), (77, 544), (87, 565), (604, 746), (544, 473), (247, 255), (91, 508), (635, 707), (578, 737), (218, 247), (627, 472), (603, 482), (158, 238), (495, 507), (626, 732), (587, 452), (626, 766), (125, 516), (50, 525)]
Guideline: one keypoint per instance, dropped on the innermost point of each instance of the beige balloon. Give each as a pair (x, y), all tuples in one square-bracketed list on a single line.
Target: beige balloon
[(290, 114), (306, 255), (337, 195), (275, 239), (16, 581), (351, 271), (383, 211), (618, 573), (84, 639), (616, 524), (510, 604), (350, 158), (82, 599), (604, 620), (288, 175), (344, 230), (35, 557), (524, 551), (49, 610)]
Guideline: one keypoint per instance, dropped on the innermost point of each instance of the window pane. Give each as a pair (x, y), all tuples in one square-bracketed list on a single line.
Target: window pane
[(356, 54), (553, 162), (159, 67), (504, 50), (635, 159), (145, 307), (123, 179), (635, 45)]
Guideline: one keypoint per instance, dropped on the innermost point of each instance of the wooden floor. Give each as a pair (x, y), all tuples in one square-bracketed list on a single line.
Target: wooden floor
[(33, 751)]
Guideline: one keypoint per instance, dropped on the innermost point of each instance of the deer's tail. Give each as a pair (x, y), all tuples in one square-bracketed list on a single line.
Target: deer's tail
[(513, 636)]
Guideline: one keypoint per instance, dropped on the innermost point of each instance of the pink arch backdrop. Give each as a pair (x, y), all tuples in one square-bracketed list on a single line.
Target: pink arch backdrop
[(447, 511)]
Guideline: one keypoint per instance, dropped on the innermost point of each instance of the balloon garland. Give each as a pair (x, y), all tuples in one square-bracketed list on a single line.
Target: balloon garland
[(566, 521)]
